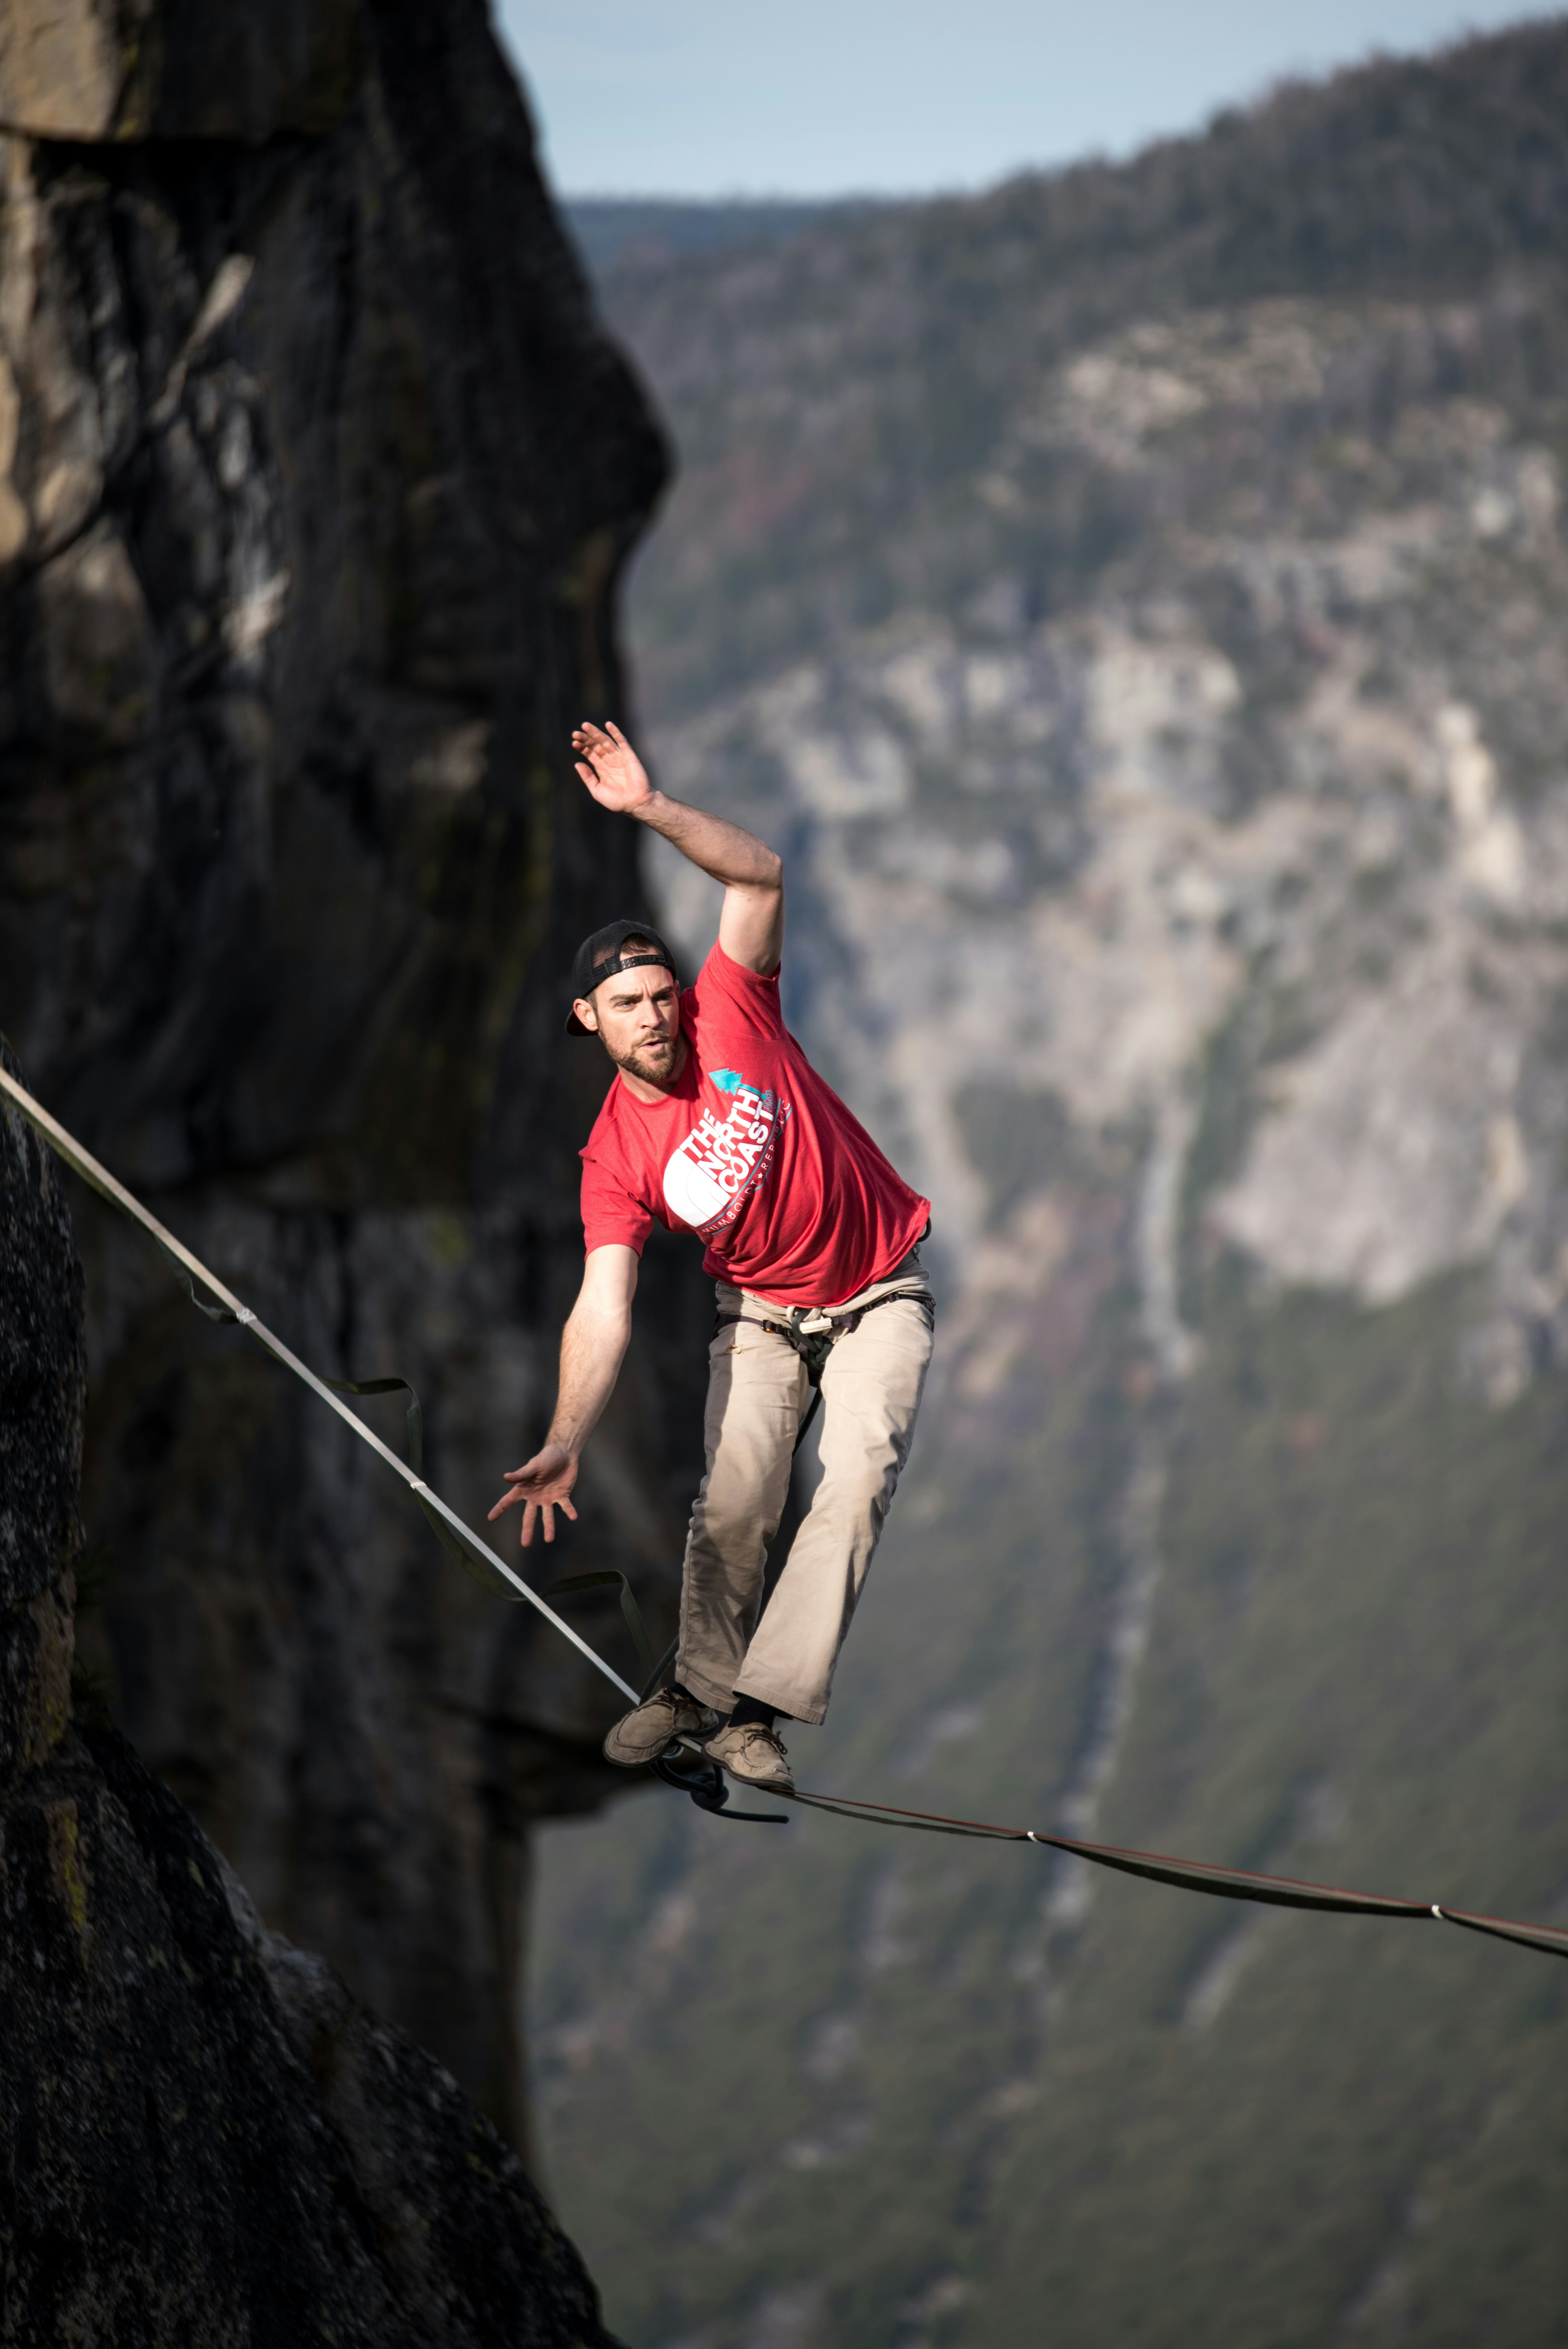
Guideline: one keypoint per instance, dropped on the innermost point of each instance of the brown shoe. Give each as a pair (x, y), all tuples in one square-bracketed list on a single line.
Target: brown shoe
[(642, 1736), (753, 1754)]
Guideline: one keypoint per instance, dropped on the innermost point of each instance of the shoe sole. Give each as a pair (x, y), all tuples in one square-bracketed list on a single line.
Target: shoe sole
[(638, 1761), (763, 1785)]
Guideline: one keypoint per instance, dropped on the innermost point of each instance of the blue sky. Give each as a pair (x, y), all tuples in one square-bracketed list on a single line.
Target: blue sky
[(713, 98)]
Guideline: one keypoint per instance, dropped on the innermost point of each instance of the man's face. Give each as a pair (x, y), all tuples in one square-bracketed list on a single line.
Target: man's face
[(637, 1017)]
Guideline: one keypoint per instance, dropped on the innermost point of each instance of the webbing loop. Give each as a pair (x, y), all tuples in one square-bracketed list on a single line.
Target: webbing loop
[(455, 1550), (709, 1790), (631, 1613)]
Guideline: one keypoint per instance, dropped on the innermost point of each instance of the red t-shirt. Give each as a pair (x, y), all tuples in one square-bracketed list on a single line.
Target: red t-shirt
[(752, 1152)]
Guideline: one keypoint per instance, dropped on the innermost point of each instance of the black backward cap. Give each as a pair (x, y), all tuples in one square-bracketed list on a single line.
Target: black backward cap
[(600, 958)]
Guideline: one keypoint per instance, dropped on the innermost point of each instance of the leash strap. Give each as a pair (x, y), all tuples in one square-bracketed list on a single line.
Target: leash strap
[(477, 1556)]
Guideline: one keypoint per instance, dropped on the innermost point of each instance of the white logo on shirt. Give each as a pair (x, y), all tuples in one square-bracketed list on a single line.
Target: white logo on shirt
[(721, 1160)]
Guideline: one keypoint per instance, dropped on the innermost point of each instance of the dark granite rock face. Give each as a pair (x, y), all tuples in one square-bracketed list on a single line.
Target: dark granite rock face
[(42, 1377), (202, 2135), (316, 477), (207, 2137)]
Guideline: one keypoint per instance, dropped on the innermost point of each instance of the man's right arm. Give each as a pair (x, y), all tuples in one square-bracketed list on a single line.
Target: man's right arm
[(751, 926), (592, 1347)]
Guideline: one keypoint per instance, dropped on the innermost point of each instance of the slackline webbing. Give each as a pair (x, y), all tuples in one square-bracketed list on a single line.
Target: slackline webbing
[(476, 1554), (707, 1785)]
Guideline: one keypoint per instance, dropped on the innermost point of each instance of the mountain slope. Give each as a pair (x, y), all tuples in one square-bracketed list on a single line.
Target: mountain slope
[(1134, 603)]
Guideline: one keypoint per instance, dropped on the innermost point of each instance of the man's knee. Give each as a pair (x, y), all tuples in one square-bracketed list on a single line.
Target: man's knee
[(737, 1551), (732, 1526), (854, 1503)]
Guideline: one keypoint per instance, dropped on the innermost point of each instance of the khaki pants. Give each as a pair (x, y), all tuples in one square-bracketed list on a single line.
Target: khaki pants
[(756, 1395)]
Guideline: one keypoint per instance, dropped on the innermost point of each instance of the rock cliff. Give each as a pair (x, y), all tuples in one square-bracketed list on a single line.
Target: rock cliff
[(317, 474), (205, 2137), (1134, 600)]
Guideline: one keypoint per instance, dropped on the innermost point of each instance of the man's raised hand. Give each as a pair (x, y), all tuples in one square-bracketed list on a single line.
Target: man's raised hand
[(611, 769), (541, 1485)]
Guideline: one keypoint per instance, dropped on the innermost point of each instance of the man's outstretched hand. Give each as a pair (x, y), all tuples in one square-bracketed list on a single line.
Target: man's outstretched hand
[(613, 772), (541, 1485)]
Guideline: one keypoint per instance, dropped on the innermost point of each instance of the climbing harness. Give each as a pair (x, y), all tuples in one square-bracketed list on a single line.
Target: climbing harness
[(813, 1332), (684, 1766)]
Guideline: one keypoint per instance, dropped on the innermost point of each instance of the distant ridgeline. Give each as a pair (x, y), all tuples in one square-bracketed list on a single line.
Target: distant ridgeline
[(1134, 600), (614, 232)]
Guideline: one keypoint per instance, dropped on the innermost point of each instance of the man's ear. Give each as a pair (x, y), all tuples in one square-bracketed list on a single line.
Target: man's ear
[(588, 1016)]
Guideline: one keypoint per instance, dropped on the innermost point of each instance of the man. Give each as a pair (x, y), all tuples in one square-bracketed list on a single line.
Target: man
[(717, 1125)]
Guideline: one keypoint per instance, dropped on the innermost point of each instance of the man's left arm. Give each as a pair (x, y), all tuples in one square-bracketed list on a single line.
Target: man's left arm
[(751, 926)]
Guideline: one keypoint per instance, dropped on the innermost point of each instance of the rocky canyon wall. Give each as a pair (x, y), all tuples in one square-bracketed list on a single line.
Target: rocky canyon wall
[(202, 2135), (317, 474)]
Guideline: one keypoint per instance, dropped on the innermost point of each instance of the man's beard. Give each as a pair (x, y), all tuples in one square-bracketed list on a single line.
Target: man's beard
[(655, 1063)]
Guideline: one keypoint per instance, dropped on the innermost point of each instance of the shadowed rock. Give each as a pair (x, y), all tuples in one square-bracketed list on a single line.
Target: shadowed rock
[(42, 1374), (205, 2137)]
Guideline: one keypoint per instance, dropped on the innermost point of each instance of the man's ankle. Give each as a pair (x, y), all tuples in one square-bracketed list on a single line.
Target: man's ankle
[(749, 1711)]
